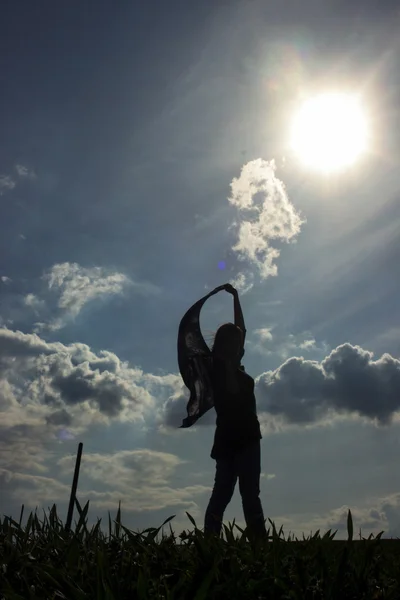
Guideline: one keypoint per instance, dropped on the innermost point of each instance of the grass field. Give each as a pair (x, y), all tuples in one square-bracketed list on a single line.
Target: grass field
[(44, 560)]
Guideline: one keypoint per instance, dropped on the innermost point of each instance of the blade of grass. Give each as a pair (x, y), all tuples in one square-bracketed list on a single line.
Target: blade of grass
[(205, 586), (22, 512), (193, 522), (350, 526), (141, 587)]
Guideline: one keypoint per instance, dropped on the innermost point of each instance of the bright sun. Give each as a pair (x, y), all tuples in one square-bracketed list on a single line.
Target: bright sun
[(329, 132)]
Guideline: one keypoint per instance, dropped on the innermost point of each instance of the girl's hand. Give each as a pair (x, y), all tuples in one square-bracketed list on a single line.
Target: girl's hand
[(218, 289), (230, 289)]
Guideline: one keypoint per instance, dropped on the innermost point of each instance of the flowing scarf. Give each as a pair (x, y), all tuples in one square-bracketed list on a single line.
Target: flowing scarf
[(195, 362)]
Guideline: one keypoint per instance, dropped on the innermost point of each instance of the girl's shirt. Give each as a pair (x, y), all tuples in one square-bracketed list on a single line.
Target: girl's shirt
[(237, 422)]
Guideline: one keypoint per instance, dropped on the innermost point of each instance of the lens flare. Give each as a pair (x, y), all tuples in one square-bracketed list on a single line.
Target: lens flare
[(65, 435)]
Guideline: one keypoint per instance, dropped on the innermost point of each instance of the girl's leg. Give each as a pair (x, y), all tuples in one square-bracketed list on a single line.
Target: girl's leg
[(224, 486), (249, 468)]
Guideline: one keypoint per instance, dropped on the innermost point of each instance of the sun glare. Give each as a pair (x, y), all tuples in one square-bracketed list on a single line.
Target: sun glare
[(329, 132)]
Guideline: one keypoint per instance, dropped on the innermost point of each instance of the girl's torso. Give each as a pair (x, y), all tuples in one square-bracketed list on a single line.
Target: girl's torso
[(236, 410)]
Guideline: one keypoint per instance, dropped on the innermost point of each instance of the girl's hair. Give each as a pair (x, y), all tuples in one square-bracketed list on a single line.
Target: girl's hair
[(221, 333)]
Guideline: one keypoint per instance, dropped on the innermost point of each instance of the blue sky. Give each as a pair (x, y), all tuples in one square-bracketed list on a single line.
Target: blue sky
[(130, 137)]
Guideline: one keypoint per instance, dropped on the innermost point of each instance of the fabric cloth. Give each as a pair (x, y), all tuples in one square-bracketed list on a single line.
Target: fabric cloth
[(194, 360), (195, 363), (245, 464)]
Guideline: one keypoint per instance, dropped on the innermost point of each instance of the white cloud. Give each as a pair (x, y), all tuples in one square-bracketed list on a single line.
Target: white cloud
[(282, 344), (293, 343), (66, 289), (120, 469), (6, 183), (34, 302), (79, 285), (264, 334), (269, 216), (23, 172), (243, 282), (75, 286), (308, 344), (268, 476)]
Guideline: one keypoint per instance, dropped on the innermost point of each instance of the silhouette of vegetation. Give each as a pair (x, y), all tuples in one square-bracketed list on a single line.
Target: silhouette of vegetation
[(44, 560)]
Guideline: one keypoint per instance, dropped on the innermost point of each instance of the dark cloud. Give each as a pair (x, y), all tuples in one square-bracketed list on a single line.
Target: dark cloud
[(53, 375), (84, 384), (76, 386), (59, 417), (16, 343), (347, 381)]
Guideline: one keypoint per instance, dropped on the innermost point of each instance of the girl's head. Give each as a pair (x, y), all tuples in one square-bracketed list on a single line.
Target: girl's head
[(228, 342)]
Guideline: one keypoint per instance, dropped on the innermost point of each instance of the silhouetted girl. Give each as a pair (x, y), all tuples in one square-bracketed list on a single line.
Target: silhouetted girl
[(216, 378)]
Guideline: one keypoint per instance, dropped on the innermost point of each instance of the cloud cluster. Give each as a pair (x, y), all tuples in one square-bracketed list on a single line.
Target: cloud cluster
[(348, 381), (382, 515), (374, 515), (267, 215), (9, 182), (74, 286), (63, 291), (6, 183), (270, 341), (50, 390), (23, 171), (67, 386), (52, 385)]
